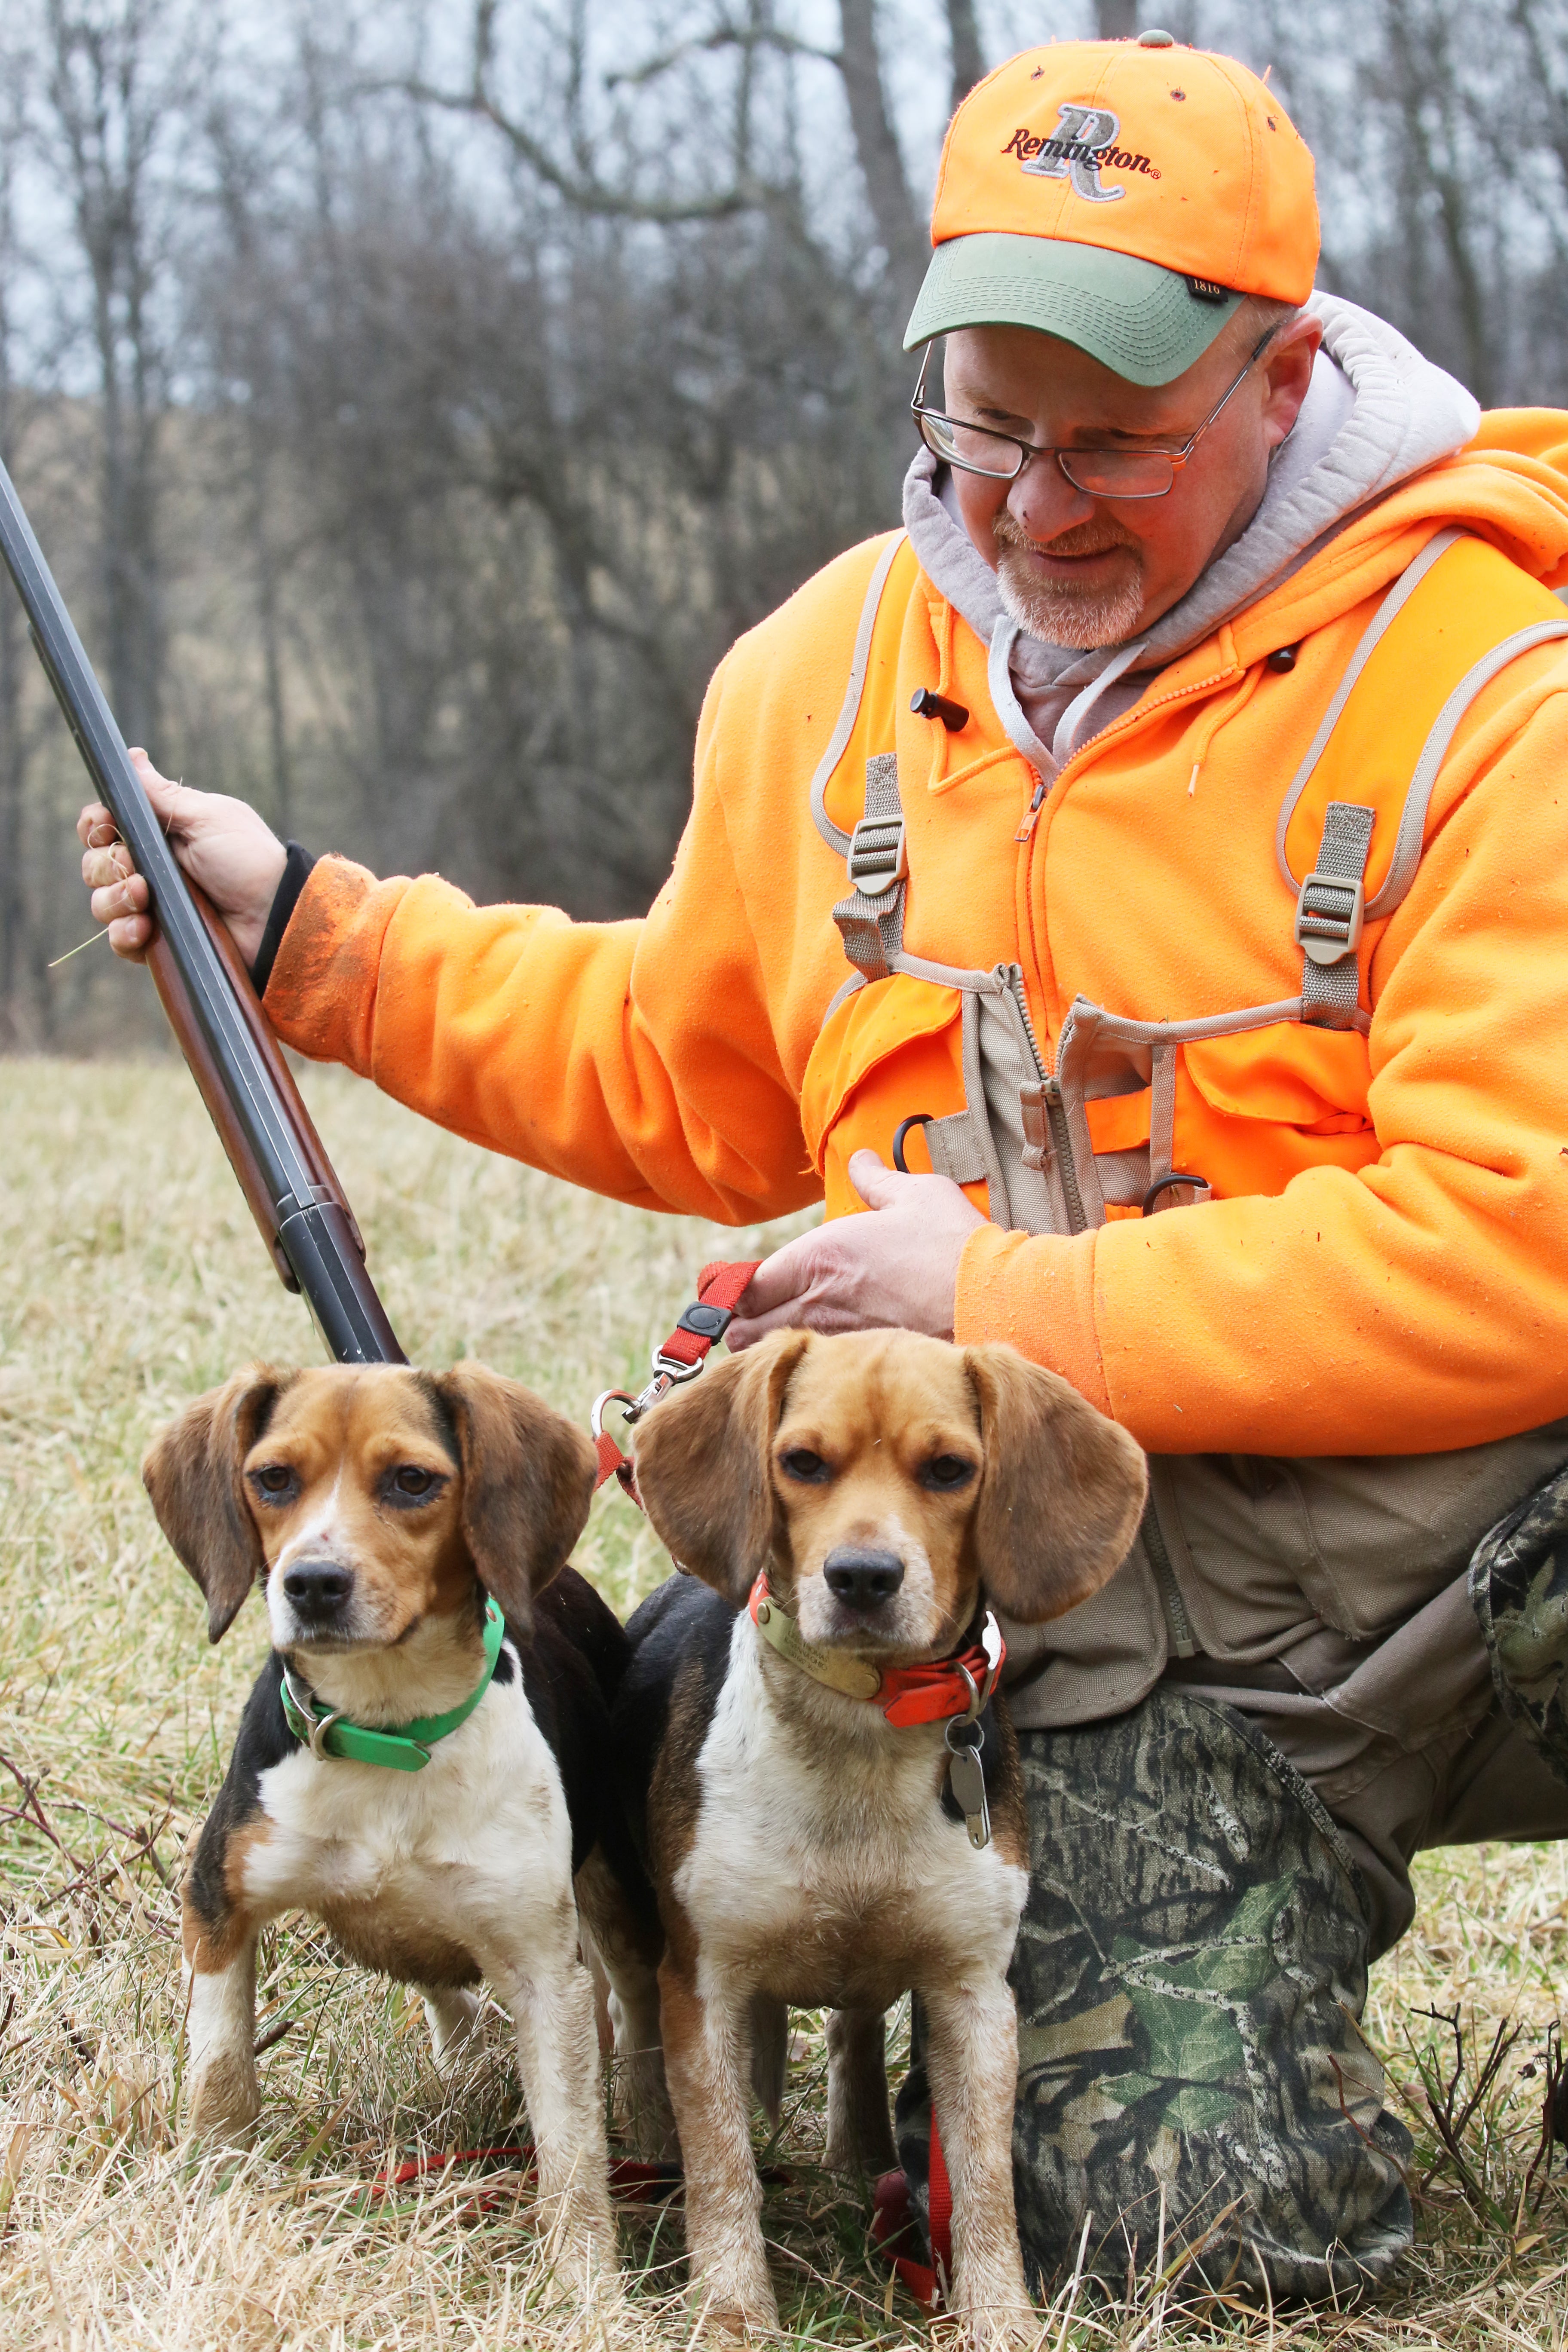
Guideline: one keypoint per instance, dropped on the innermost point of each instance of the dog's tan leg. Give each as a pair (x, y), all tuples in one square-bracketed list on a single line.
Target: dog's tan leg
[(859, 2127), (972, 2056), (453, 2017), (705, 2055), (224, 2098), (551, 1997)]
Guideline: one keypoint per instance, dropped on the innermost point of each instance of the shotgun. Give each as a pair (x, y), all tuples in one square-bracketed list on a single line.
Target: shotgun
[(214, 1013)]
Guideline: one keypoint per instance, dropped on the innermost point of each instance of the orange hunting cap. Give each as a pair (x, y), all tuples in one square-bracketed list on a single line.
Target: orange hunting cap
[(1124, 195)]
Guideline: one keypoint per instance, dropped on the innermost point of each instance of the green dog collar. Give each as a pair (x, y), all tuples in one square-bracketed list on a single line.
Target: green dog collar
[(403, 1747)]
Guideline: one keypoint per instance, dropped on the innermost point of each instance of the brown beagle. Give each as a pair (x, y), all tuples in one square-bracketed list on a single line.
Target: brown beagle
[(795, 1806), (419, 1767)]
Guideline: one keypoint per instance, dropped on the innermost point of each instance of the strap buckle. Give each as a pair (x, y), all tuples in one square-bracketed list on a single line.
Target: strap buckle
[(1330, 914), (879, 857)]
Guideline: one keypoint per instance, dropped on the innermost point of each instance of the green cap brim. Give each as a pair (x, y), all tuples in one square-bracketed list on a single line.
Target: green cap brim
[(1140, 320)]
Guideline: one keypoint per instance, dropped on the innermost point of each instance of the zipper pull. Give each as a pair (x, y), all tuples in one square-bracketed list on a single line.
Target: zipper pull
[(1032, 814)]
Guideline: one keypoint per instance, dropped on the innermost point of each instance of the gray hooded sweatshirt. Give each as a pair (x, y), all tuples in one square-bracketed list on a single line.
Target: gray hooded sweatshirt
[(1375, 412)]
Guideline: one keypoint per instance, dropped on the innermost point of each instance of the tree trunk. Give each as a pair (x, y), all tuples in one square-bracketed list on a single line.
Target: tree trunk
[(900, 230), (964, 43)]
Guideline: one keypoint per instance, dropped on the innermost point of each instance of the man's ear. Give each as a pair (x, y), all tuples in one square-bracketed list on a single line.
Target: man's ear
[(192, 1471), (1061, 1491), (528, 1480), (703, 1467)]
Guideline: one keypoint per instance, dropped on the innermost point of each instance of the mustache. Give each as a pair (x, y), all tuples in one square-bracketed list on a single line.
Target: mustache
[(1083, 539)]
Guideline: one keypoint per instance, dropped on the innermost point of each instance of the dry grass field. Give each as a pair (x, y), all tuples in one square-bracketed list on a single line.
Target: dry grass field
[(134, 1281)]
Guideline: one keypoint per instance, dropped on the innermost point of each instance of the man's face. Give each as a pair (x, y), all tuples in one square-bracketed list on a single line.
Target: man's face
[(1078, 570)]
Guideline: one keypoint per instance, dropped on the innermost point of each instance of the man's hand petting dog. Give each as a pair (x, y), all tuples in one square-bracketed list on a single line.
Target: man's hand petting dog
[(895, 1270)]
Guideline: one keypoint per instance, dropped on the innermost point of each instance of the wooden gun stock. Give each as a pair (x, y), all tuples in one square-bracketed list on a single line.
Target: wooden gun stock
[(204, 1068)]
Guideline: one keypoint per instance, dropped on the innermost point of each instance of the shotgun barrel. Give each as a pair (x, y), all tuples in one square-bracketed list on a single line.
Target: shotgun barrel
[(246, 1084)]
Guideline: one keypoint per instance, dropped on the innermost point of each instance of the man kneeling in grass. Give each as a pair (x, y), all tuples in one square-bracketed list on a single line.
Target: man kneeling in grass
[(1156, 849)]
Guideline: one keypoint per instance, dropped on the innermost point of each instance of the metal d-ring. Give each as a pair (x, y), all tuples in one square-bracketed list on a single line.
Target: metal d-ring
[(319, 1727), (976, 1696), (919, 1118), (608, 1397)]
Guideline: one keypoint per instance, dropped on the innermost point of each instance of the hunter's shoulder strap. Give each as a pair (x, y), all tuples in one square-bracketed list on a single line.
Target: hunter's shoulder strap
[(871, 918), (1452, 621)]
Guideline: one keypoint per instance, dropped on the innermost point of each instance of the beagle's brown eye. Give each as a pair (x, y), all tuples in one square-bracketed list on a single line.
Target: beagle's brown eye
[(274, 1482), (802, 1463), (945, 1472), (413, 1481)]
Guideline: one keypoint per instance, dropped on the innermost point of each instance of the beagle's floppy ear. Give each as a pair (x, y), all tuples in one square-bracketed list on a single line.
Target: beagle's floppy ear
[(528, 1480), (193, 1469), (703, 1467), (1061, 1490)]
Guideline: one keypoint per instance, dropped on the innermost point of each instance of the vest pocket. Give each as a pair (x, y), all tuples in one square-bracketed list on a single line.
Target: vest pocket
[(1257, 1107), (893, 1051), (1249, 1109)]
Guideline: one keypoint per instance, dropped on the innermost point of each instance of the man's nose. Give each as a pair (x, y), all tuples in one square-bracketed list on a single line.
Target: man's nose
[(1042, 501), (862, 1579), (317, 1589)]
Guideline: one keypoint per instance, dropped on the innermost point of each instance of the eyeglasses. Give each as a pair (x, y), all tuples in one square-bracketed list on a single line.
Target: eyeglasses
[(1099, 473)]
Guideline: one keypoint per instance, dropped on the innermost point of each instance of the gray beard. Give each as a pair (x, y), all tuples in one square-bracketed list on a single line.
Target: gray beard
[(1063, 617)]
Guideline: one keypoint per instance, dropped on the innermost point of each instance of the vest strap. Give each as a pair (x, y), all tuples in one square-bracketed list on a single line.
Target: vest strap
[(1330, 913), (871, 918)]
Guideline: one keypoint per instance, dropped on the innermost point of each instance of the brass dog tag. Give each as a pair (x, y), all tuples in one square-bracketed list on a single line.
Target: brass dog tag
[(967, 1781)]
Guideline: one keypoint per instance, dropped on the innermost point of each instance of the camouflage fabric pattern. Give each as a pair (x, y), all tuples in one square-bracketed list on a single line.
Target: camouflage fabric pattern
[(1189, 1972), (1518, 1589)]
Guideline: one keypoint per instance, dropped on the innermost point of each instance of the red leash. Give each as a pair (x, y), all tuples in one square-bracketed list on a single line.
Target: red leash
[(680, 1358)]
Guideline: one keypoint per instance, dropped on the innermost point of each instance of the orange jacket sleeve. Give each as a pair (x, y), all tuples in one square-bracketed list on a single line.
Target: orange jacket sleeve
[(637, 1058), (1419, 1302)]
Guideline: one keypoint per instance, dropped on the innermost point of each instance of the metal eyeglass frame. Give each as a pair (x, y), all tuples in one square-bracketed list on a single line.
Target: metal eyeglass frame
[(1176, 458)]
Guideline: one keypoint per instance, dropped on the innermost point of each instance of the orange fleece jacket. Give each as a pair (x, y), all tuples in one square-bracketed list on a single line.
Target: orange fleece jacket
[(1418, 1302)]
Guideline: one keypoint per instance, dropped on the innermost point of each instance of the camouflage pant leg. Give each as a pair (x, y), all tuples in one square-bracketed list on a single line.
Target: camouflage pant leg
[(1518, 1589), (1189, 1972)]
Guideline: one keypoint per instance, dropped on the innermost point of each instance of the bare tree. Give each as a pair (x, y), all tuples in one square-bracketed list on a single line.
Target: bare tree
[(117, 74), (14, 744)]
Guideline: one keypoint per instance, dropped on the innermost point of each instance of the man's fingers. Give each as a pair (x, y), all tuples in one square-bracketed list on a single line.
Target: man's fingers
[(100, 867), (95, 828), (127, 896), (877, 1184), (130, 936), (778, 1279)]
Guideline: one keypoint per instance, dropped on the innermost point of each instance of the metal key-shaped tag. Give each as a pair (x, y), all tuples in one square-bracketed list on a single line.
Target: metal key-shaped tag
[(966, 1778)]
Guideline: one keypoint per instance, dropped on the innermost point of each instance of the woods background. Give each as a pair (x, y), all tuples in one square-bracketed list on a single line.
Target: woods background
[(415, 402)]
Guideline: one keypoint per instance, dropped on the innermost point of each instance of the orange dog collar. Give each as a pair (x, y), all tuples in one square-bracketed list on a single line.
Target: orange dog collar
[(933, 1693)]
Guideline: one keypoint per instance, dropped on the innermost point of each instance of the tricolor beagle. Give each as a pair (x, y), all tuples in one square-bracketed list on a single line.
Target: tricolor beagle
[(800, 1773), (422, 1762)]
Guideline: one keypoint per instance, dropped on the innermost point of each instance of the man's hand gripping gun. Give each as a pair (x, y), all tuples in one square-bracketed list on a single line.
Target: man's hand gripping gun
[(246, 1084)]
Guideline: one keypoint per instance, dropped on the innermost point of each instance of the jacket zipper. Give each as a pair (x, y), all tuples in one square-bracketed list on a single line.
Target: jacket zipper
[(1178, 1623), (1055, 1110)]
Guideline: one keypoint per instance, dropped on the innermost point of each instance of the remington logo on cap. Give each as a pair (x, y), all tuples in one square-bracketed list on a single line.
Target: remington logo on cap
[(1083, 144)]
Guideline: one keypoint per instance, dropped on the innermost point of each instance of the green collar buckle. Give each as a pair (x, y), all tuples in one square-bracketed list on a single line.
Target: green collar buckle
[(404, 1746)]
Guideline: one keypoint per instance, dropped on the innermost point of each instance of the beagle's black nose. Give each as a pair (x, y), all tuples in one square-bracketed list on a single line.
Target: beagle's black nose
[(317, 1588), (862, 1579)]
